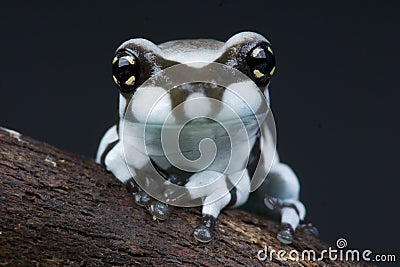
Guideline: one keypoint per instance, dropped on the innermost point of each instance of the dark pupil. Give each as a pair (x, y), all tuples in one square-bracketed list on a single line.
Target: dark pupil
[(123, 69), (264, 61)]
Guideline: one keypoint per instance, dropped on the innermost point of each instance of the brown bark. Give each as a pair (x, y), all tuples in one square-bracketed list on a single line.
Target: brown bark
[(58, 208)]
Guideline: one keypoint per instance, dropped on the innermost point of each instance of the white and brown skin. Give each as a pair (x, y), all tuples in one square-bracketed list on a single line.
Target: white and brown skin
[(143, 59)]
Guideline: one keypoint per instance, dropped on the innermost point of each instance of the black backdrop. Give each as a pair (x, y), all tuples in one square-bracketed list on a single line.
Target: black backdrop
[(335, 93)]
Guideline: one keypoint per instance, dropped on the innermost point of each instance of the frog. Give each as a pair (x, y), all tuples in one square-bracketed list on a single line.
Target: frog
[(136, 68)]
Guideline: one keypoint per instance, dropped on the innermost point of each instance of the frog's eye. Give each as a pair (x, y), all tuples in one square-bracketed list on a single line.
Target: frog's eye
[(261, 63), (125, 68)]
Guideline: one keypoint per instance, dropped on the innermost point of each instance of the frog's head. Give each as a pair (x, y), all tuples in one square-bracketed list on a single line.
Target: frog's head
[(138, 60)]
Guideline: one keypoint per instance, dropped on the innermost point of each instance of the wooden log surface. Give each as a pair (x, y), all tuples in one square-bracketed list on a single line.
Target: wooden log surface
[(58, 208)]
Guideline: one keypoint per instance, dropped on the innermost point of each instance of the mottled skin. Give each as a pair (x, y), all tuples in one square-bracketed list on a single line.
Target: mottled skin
[(136, 61)]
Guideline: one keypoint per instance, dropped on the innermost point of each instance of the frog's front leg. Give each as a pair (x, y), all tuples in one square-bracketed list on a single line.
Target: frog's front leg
[(282, 195), (110, 155), (215, 200)]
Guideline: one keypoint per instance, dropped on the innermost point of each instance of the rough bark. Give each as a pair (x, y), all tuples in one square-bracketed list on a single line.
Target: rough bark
[(58, 208)]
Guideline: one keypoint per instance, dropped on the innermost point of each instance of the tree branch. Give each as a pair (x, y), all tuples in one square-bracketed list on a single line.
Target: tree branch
[(58, 208)]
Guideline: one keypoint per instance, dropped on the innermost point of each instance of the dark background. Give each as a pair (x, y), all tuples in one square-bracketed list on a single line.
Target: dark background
[(335, 94)]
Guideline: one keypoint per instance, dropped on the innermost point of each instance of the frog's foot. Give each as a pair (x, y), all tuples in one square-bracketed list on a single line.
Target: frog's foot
[(292, 211), (203, 232), (159, 210), (286, 234), (156, 208), (309, 229), (140, 197), (143, 199)]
